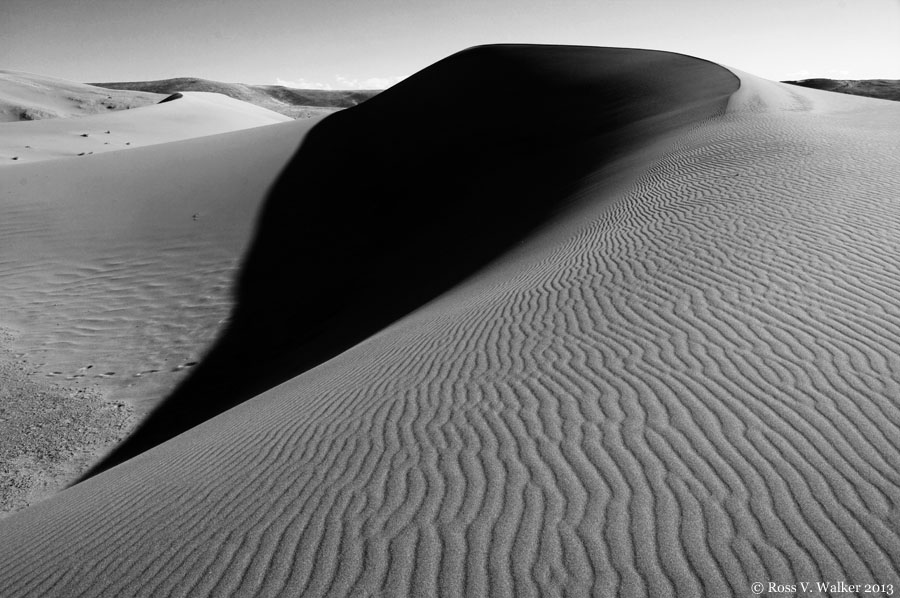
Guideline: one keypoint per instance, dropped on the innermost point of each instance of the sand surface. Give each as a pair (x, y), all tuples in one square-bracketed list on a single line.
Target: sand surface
[(682, 381), (885, 89), (27, 97), (117, 268), (51, 432), (295, 103), (194, 114)]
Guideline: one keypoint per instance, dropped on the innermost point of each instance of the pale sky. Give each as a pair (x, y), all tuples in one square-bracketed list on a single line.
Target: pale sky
[(371, 43)]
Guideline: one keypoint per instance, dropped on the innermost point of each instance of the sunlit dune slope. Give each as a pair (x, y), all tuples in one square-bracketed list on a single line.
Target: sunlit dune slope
[(25, 96), (193, 114), (126, 251), (677, 374)]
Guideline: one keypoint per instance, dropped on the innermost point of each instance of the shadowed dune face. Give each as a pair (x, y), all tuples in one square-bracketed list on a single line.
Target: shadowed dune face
[(389, 204), (170, 98)]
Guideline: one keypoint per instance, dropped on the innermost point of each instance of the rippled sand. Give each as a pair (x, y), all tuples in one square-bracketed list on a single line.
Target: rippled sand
[(116, 273)]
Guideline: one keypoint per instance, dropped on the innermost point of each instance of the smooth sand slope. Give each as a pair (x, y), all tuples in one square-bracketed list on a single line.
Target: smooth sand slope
[(25, 96), (187, 115), (116, 271), (296, 103), (678, 375)]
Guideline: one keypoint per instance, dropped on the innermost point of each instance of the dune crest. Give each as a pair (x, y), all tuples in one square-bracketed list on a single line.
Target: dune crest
[(401, 179), (679, 381)]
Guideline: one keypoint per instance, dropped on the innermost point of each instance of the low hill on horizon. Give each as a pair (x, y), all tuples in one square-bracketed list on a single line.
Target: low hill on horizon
[(296, 103), (884, 89)]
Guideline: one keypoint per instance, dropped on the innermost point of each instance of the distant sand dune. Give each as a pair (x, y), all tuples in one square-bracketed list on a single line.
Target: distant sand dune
[(295, 103), (885, 89), (682, 380), (194, 114), (24, 96)]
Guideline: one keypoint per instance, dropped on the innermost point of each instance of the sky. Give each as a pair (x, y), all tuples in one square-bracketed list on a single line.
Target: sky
[(344, 44)]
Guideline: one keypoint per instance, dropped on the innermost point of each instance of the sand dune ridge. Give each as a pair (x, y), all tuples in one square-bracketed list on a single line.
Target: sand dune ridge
[(370, 175)]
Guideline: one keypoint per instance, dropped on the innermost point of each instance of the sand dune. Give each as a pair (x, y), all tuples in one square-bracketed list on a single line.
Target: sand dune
[(663, 361), (25, 96), (295, 103), (498, 180), (884, 89), (194, 114)]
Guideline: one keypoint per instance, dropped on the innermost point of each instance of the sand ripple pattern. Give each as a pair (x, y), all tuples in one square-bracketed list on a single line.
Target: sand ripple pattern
[(696, 391), (92, 320)]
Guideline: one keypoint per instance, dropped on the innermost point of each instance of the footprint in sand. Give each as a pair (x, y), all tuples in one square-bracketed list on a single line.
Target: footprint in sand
[(139, 374)]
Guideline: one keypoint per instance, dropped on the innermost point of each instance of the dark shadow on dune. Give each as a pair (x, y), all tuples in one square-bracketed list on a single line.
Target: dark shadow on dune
[(174, 96), (388, 204)]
